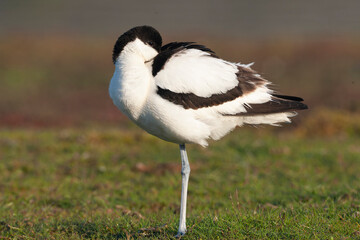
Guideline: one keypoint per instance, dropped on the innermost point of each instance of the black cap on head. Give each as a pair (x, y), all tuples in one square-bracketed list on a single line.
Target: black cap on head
[(147, 34)]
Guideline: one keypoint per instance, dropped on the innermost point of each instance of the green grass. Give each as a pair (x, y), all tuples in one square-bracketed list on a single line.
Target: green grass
[(108, 183)]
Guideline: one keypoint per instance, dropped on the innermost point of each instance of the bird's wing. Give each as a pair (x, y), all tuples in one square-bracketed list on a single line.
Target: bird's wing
[(193, 76), (190, 68)]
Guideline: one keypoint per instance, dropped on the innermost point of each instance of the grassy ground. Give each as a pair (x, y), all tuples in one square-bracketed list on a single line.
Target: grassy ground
[(109, 183)]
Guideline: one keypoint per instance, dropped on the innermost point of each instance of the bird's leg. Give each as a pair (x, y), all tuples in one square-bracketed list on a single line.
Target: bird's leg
[(185, 173)]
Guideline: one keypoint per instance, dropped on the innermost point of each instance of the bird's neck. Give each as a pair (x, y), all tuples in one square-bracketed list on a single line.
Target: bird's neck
[(131, 84)]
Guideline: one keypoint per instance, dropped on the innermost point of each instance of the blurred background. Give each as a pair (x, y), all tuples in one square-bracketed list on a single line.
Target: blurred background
[(55, 56)]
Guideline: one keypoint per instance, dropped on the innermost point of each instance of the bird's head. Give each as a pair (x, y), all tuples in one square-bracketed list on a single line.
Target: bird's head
[(144, 41)]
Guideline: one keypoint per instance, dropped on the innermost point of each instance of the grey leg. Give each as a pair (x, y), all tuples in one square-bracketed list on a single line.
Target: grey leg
[(185, 173)]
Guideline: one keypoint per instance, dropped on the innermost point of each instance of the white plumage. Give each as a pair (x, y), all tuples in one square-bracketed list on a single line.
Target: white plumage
[(195, 71), (133, 90), (183, 93)]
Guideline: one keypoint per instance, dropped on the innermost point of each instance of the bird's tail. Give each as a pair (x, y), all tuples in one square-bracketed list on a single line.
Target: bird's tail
[(277, 104), (279, 109)]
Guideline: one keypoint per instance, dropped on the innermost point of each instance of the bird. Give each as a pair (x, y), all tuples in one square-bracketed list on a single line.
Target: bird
[(183, 93)]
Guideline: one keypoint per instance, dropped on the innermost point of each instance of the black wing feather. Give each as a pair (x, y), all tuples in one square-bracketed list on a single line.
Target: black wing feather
[(278, 104), (292, 98), (248, 82)]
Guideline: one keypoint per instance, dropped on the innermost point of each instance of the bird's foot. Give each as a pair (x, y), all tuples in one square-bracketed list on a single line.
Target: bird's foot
[(180, 234)]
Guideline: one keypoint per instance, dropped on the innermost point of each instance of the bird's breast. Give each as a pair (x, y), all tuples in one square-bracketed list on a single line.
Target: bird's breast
[(129, 88)]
